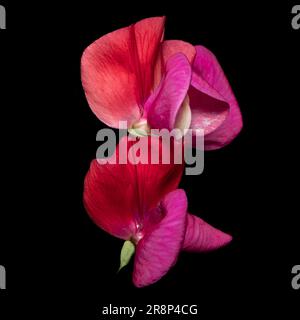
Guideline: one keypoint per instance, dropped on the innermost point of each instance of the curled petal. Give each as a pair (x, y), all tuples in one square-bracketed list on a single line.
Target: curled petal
[(214, 90), (117, 70), (163, 105), (202, 237), (157, 252)]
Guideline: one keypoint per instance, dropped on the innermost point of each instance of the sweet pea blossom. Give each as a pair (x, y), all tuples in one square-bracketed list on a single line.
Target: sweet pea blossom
[(141, 204), (133, 75)]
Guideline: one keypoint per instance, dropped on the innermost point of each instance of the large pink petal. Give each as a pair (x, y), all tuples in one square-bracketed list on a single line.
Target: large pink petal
[(163, 105), (157, 252), (117, 70), (209, 79), (117, 195), (202, 237), (110, 198)]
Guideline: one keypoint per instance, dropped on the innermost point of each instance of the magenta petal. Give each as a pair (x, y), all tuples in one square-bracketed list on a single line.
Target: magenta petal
[(209, 79), (163, 105), (202, 237), (157, 252)]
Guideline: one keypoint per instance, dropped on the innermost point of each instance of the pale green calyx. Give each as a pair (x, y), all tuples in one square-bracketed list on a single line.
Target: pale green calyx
[(127, 252)]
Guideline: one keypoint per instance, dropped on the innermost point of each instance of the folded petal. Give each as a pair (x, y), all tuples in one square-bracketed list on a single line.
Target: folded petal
[(116, 196), (157, 252), (117, 70), (163, 105), (202, 237), (209, 79)]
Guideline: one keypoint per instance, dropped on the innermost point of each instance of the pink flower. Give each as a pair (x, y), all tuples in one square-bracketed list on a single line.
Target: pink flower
[(133, 75), (140, 203)]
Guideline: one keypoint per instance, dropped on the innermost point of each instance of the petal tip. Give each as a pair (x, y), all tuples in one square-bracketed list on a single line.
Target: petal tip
[(202, 237)]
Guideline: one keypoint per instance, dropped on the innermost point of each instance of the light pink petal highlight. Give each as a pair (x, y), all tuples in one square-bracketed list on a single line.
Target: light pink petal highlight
[(202, 237), (157, 252)]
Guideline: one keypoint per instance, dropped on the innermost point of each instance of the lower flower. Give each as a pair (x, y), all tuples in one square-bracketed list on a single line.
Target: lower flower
[(140, 203)]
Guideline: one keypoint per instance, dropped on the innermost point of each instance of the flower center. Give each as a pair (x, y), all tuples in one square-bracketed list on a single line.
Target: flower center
[(140, 128), (137, 237)]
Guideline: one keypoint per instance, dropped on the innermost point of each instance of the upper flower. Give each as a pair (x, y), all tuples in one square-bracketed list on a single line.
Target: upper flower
[(132, 75)]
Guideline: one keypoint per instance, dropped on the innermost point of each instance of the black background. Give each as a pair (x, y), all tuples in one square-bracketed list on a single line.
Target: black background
[(50, 247)]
